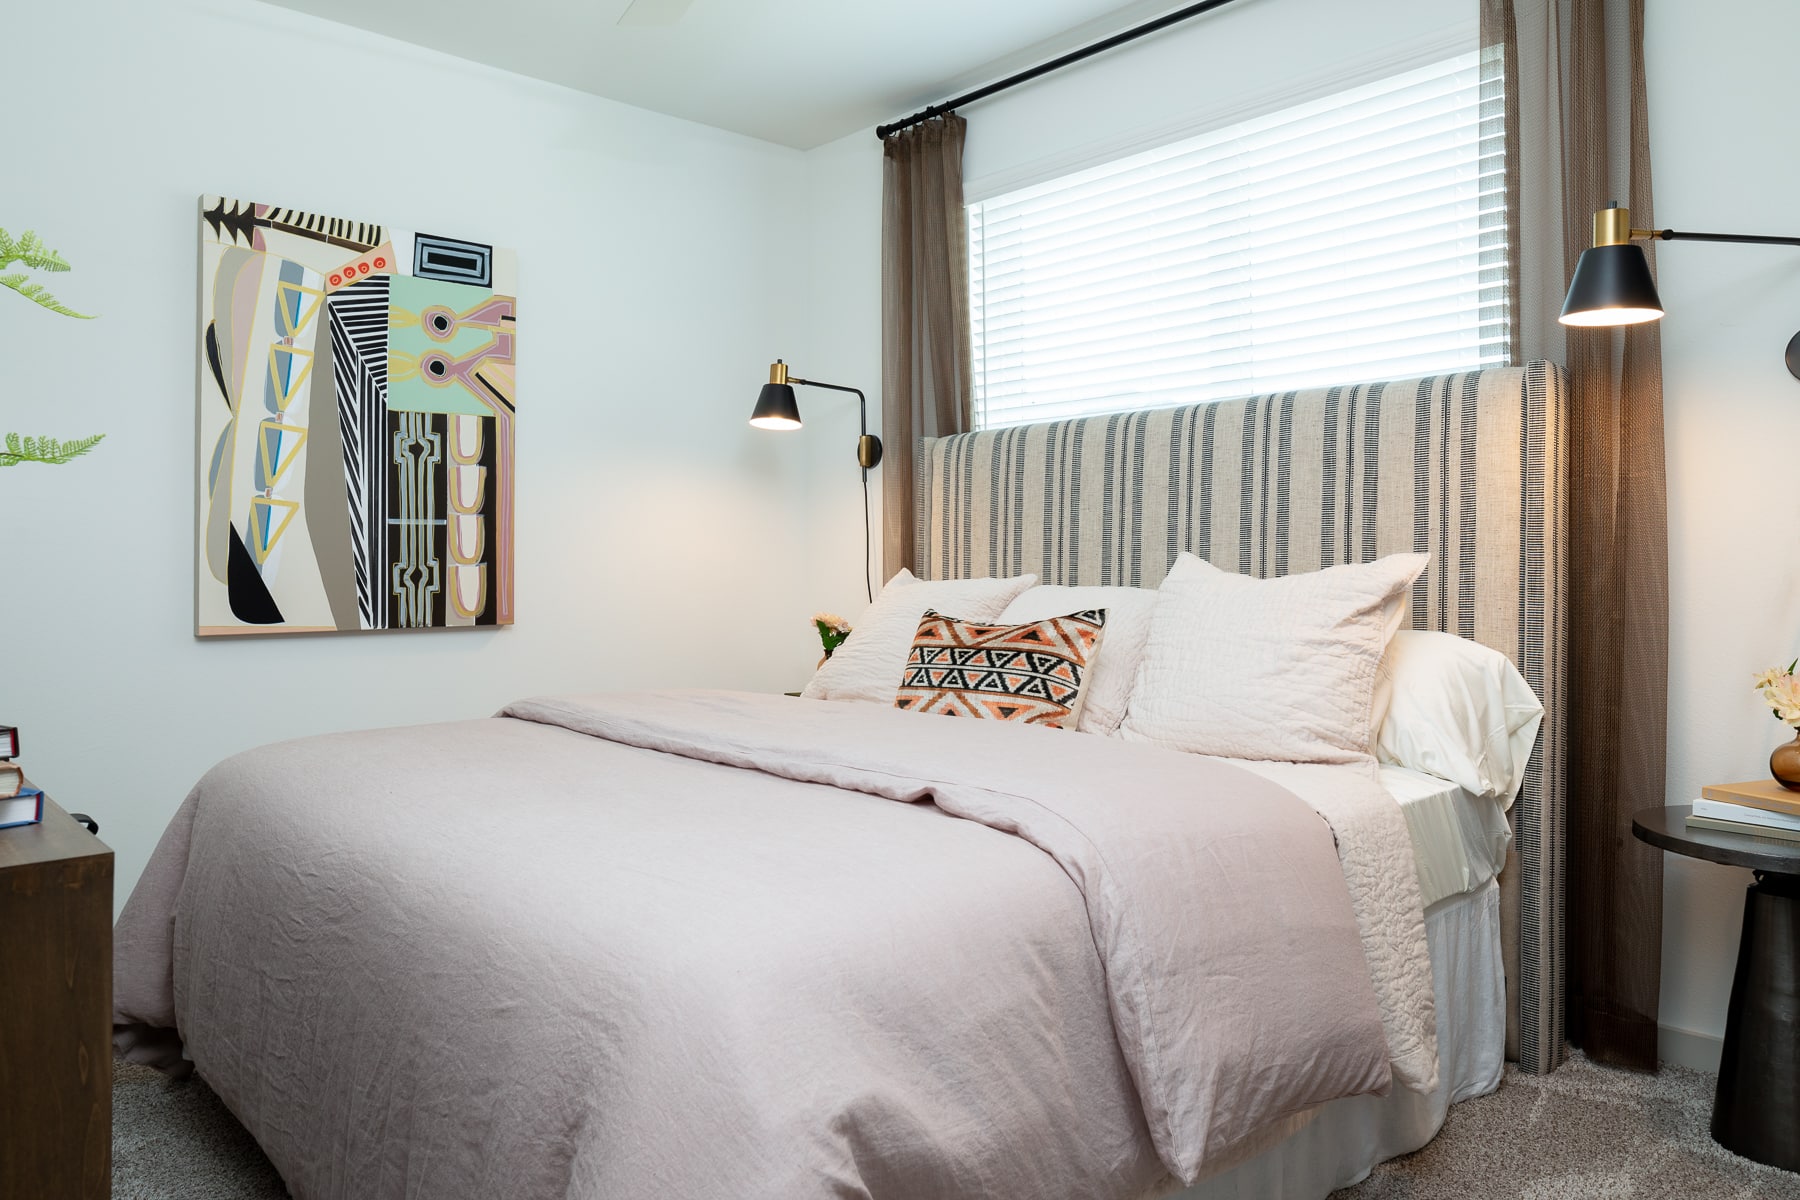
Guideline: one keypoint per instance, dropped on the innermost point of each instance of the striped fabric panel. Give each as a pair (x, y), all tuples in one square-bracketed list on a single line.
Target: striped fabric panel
[(1469, 467)]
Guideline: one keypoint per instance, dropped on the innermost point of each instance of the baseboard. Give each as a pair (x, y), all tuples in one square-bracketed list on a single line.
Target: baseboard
[(1686, 1048)]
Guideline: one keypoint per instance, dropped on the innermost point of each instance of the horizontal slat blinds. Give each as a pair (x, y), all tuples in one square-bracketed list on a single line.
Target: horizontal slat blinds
[(1360, 236)]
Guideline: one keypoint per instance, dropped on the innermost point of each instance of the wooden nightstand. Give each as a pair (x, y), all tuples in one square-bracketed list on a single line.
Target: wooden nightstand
[(56, 883)]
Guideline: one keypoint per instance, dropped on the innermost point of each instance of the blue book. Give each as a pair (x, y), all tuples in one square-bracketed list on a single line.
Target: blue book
[(26, 808)]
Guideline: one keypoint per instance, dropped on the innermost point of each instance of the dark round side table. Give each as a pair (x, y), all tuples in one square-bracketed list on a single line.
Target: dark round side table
[(1756, 1111)]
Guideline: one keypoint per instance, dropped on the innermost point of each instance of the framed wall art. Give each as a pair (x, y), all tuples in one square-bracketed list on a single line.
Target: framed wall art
[(356, 425)]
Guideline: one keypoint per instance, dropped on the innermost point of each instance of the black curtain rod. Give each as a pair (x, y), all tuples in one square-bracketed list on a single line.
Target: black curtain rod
[(1055, 64)]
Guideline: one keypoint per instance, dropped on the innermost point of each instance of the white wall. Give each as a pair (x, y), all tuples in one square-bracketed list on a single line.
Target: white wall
[(843, 345), (657, 279), (1721, 94)]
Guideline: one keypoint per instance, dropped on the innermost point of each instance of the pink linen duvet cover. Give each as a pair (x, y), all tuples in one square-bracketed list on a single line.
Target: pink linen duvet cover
[(703, 944)]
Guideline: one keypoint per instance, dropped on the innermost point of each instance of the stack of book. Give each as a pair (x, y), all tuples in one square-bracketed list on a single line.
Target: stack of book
[(1762, 808), (20, 804)]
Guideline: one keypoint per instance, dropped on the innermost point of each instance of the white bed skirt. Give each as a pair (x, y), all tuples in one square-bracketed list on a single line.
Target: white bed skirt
[(1344, 1140)]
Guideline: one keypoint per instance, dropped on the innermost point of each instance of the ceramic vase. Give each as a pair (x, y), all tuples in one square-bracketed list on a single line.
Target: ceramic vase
[(1784, 764)]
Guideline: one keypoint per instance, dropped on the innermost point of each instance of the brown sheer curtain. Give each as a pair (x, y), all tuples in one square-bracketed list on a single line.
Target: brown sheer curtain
[(1577, 137), (925, 351)]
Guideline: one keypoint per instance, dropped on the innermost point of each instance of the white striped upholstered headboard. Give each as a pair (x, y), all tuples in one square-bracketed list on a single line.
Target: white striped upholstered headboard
[(1470, 467)]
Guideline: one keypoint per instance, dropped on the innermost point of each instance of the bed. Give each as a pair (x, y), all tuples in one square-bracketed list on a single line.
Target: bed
[(700, 944)]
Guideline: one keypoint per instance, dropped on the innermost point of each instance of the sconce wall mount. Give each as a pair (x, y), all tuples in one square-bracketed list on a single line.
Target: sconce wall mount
[(776, 408), (1612, 283)]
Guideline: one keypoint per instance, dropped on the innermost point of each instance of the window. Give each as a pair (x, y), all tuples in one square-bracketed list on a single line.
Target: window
[(1361, 236)]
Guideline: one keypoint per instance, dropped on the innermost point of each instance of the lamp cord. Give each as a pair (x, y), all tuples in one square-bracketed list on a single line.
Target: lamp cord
[(868, 541)]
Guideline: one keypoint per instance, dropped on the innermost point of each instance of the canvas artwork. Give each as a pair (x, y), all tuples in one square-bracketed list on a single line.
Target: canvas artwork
[(356, 421)]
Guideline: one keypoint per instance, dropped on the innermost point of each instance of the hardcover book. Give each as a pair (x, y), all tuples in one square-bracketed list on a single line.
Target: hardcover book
[(1721, 810), (26, 808), (1765, 794), (1760, 831)]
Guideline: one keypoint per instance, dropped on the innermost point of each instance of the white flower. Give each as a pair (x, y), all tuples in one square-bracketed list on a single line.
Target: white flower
[(1781, 692)]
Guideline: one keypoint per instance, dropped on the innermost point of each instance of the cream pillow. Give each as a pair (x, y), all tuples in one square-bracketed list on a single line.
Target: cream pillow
[(1113, 673), (869, 665), (1459, 710), (1280, 669)]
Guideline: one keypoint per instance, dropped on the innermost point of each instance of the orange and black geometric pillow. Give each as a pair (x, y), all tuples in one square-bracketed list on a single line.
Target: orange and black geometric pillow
[(1033, 673)]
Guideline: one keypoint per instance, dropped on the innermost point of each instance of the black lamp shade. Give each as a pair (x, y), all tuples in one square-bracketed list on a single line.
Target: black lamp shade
[(775, 408), (1612, 286)]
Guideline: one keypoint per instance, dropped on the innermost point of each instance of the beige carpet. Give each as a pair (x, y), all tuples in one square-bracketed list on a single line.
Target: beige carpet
[(1580, 1133), (174, 1140), (1583, 1133)]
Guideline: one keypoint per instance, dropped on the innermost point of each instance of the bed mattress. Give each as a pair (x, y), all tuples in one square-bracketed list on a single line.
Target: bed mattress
[(1459, 840)]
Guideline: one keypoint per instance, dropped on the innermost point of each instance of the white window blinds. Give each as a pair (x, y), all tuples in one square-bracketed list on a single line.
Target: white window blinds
[(1361, 236)]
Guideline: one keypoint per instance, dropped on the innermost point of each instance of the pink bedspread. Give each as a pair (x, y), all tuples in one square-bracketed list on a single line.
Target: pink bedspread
[(687, 944)]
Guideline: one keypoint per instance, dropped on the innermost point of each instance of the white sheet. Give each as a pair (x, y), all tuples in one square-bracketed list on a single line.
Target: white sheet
[(1459, 839), (1346, 1138)]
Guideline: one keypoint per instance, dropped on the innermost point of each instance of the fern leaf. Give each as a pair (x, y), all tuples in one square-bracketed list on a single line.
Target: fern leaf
[(35, 293), (78, 447), (45, 450), (29, 249)]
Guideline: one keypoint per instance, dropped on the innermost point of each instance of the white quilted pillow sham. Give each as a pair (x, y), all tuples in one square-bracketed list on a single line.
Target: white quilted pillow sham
[(1280, 669), (1113, 673), (869, 665)]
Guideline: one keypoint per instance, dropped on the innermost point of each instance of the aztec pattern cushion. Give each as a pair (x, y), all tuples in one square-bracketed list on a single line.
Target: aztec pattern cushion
[(1035, 673)]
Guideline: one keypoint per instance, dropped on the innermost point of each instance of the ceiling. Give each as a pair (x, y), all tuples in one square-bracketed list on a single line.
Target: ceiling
[(796, 72)]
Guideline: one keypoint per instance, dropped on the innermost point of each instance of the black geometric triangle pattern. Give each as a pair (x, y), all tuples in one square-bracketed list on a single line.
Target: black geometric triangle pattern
[(1031, 673)]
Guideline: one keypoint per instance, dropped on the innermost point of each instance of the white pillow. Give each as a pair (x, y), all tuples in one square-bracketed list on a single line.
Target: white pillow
[(1280, 669), (868, 666), (1113, 673), (1460, 711)]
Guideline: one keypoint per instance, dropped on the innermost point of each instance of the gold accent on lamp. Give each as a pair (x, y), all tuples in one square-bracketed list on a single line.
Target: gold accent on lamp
[(1612, 227)]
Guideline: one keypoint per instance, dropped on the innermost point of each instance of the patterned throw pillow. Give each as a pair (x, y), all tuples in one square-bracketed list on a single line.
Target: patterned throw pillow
[(1035, 673)]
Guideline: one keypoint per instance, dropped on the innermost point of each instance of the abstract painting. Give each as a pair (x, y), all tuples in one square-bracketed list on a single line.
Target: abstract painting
[(356, 425)]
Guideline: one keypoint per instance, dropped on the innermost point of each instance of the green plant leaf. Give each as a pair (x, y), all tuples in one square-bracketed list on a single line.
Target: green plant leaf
[(29, 249), (37, 295), (20, 449)]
